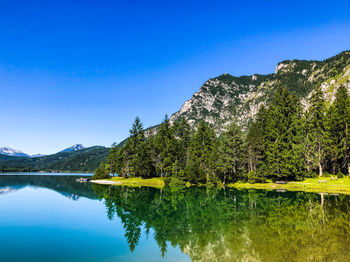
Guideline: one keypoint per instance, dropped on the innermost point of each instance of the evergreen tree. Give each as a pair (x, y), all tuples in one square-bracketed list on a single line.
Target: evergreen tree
[(111, 159), (316, 136), (201, 150), (284, 137), (182, 133), (338, 122), (165, 144), (147, 169), (134, 150), (230, 162), (119, 161), (255, 141)]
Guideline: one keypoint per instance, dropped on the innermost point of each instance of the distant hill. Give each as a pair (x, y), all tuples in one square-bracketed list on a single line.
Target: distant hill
[(83, 160), (6, 157), (37, 155)]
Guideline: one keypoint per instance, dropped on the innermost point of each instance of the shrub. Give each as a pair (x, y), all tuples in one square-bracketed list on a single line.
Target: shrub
[(255, 177), (194, 173), (340, 175), (101, 172), (220, 184), (176, 181)]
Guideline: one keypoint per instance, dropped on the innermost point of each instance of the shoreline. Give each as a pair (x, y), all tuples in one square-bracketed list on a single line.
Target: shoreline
[(312, 185), (157, 182)]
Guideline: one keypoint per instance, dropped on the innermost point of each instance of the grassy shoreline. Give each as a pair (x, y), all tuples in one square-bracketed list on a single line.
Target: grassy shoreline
[(157, 182), (340, 186)]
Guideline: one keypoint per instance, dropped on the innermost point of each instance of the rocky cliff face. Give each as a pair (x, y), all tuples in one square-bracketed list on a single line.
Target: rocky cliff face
[(225, 98)]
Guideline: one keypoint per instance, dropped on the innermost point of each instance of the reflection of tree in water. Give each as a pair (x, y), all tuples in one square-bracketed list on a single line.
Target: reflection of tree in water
[(231, 225)]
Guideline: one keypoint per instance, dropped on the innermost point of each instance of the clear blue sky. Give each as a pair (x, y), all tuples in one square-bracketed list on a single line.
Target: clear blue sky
[(81, 71)]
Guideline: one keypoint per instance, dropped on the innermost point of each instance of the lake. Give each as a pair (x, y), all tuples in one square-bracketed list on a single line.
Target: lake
[(47, 217)]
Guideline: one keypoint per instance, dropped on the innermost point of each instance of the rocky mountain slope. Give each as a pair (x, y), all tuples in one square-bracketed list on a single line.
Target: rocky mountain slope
[(225, 98)]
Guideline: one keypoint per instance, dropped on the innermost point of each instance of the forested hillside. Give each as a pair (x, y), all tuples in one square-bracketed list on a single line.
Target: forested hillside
[(284, 126), (84, 160)]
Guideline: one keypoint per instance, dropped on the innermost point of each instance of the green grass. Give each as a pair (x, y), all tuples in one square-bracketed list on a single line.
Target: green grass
[(340, 186), (157, 182)]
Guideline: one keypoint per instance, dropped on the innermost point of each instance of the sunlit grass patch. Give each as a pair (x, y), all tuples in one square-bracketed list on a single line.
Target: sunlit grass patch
[(157, 182), (341, 185)]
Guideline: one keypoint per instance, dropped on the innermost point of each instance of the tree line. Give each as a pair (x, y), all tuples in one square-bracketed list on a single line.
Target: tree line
[(284, 142)]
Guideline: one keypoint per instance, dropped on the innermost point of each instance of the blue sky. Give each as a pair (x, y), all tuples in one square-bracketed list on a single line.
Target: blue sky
[(81, 71)]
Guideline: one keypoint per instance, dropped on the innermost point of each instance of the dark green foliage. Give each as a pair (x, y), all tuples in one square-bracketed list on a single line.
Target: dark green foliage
[(316, 134), (201, 151), (133, 158), (284, 136), (229, 160), (101, 172), (256, 142), (165, 147), (338, 122)]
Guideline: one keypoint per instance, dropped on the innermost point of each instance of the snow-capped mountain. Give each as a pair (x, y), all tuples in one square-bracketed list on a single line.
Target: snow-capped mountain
[(74, 148), (12, 152)]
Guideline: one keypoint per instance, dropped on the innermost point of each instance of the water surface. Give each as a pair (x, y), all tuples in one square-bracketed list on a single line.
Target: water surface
[(54, 218)]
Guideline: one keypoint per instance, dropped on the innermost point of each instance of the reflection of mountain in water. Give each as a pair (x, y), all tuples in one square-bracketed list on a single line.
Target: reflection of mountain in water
[(235, 225), (9, 189), (65, 185)]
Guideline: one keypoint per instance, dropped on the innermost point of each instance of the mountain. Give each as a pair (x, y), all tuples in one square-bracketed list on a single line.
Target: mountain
[(12, 152), (73, 148), (83, 160), (37, 155), (226, 97)]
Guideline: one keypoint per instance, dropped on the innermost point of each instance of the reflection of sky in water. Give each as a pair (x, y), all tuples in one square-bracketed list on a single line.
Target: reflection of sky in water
[(38, 224)]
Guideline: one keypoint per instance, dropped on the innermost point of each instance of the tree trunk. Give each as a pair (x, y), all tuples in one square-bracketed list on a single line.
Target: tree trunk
[(320, 169)]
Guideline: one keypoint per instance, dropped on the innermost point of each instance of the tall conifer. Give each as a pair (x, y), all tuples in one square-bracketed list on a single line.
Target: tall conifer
[(284, 137), (338, 126), (316, 136)]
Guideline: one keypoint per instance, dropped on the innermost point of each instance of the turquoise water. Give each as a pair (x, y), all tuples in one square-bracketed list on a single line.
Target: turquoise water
[(55, 218)]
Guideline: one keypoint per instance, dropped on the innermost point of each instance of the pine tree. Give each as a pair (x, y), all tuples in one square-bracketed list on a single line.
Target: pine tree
[(182, 133), (255, 141), (111, 159), (165, 144), (229, 162), (316, 135), (134, 149), (338, 121), (201, 150), (146, 169), (284, 137), (119, 161)]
